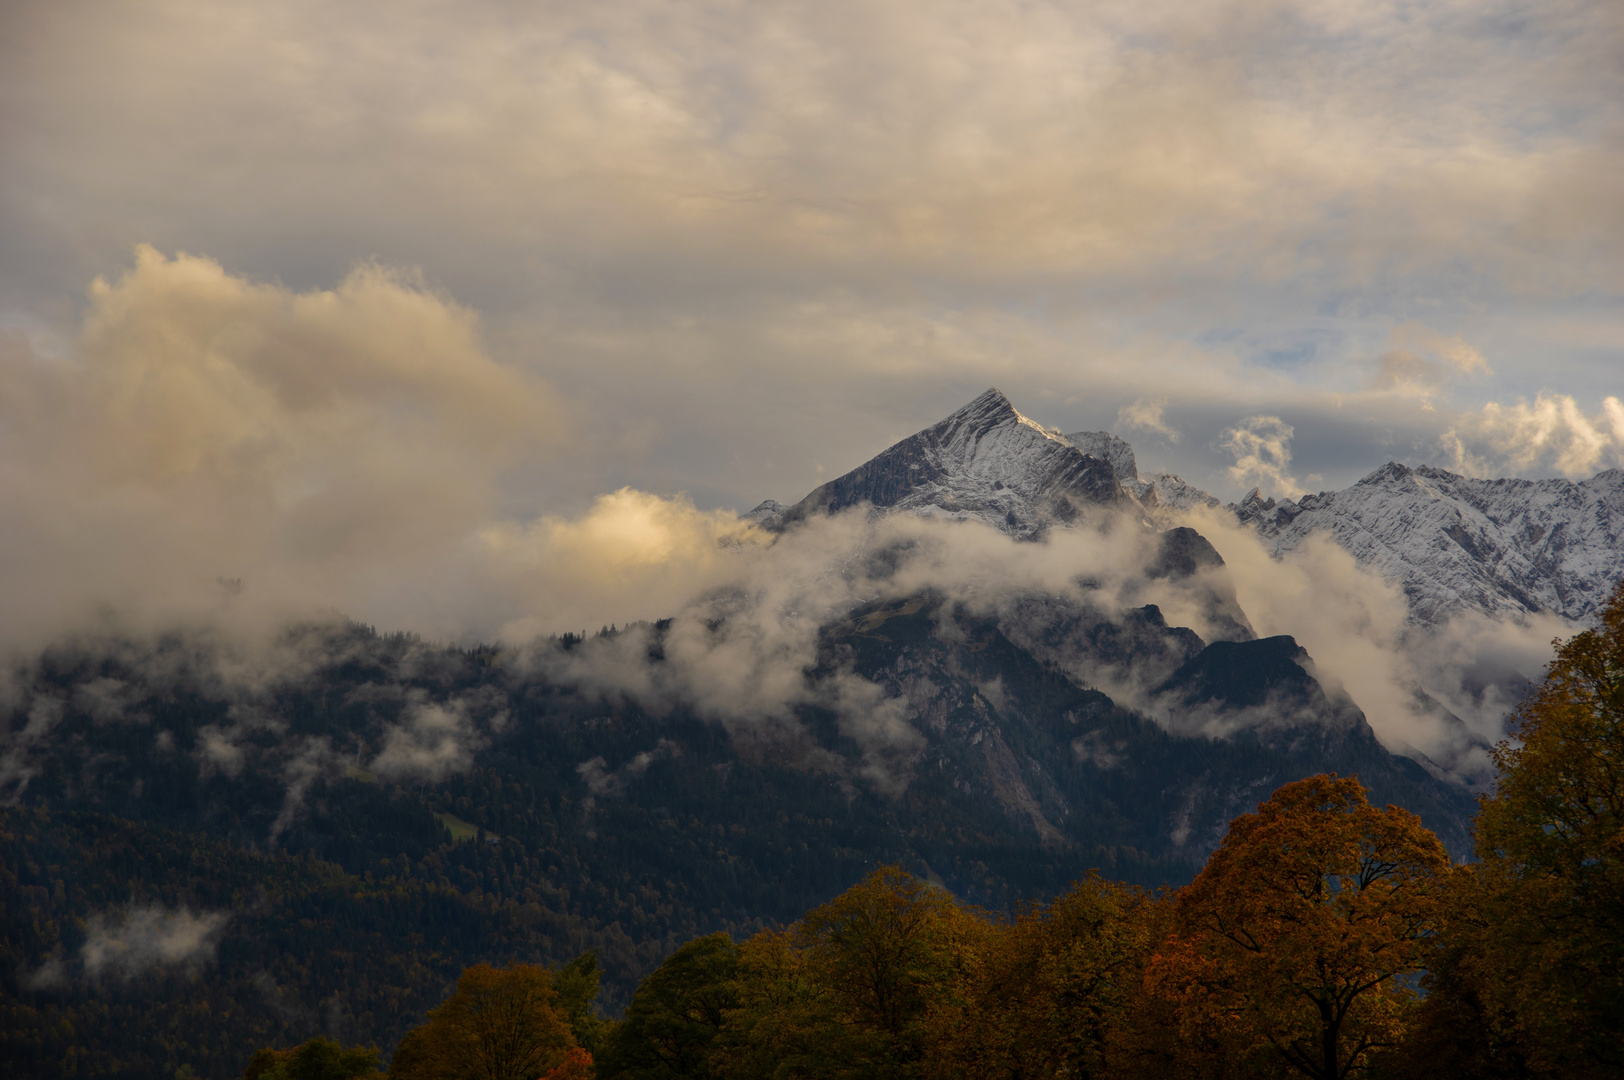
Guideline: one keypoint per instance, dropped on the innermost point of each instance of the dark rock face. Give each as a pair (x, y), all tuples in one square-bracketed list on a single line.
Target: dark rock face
[(1217, 716), (1003, 721), (1246, 674), (1183, 552), (1263, 690), (986, 462), (1184, 555)]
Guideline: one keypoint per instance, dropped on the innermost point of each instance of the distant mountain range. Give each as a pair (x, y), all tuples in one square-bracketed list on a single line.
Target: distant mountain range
[(1453, 543), (1500, 547)]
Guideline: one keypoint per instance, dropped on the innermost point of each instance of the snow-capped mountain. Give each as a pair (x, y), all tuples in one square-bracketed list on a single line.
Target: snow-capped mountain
[(1501, 547), (985, 462), (1453, 543), (1219, 691)]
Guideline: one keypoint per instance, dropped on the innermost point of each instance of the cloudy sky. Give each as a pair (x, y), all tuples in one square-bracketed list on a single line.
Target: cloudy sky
[(352, 280)]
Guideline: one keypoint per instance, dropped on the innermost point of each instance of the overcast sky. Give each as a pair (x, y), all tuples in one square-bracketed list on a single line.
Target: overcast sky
[(347, 279), (747, 245)]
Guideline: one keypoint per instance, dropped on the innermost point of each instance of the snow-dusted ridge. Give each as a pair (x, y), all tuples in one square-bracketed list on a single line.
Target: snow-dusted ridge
[(1505, 548)]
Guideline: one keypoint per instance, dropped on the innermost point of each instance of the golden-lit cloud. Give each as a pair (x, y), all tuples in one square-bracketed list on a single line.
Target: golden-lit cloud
[(308, 448), (1552, 433)]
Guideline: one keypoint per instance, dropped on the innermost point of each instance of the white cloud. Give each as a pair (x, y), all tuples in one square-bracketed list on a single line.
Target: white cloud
[(432, 741), (1262, 449), (131, 942), (1552, 433), (1354, 626), (1146, 414)]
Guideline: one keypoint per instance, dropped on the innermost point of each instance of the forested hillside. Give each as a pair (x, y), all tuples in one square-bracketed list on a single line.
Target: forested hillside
[(1324, 938), (208, 850), (347, 902)]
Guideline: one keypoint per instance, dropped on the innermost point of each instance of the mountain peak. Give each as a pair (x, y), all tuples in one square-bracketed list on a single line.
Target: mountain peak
[(992, 409), (985, 461)]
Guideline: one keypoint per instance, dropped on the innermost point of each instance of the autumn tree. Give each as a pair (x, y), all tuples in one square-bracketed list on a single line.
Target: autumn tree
[(1302, 936), (788, 1024), (881, 948), (319, 1058), (577, 985), (674, 1018), (499, 1024), (1541, 966), (846, 992), (1041, 995)]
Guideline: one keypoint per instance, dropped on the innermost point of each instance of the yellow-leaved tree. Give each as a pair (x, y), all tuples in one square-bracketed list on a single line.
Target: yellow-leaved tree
[(1042, 994), (1540, 969), (499, 1024)]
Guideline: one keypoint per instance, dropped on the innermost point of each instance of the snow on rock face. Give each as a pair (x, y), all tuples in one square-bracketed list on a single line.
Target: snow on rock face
[(1453, 543), (1168, 492), (766, 512), (985, 462), (1107, 447)]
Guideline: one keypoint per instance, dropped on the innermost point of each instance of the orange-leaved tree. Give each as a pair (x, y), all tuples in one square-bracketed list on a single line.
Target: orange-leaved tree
[(499, 1024), (1301, 936)]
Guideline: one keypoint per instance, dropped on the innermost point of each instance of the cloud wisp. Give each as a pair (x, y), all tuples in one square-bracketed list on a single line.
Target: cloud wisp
[(1262, 449), (125, 944)]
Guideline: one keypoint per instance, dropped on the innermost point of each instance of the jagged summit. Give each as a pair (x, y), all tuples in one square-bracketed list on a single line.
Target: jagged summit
[(986, 461), (1454, 543)]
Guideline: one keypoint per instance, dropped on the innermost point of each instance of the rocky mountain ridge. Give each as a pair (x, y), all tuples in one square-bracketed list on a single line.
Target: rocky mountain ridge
[(985, 462), (1505, 548)]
